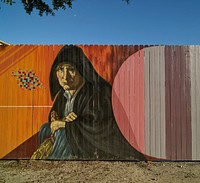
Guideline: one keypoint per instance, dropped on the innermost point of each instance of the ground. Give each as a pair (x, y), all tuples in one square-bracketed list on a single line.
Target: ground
[(17, 171)]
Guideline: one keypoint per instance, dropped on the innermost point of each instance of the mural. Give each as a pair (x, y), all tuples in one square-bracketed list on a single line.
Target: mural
[(81, 119), (99, 102)]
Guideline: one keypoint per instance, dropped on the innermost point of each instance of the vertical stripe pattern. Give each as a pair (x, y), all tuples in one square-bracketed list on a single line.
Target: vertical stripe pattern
[(155, 96), (195, 100), (154, 65), (178, 102)]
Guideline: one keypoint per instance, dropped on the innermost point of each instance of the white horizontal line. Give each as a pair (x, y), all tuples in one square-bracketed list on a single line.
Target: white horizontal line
[(24, 106)]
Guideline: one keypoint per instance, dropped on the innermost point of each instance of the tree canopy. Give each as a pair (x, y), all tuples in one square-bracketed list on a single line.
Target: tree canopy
[(44, 7)]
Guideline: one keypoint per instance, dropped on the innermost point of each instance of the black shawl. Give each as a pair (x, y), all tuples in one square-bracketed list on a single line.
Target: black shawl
[(94, 134)]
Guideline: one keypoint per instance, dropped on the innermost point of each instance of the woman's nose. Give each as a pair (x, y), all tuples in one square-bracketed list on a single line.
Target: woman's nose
[(65, 74)]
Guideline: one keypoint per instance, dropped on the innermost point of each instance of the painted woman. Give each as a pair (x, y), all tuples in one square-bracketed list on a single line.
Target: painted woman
[(81, 119)]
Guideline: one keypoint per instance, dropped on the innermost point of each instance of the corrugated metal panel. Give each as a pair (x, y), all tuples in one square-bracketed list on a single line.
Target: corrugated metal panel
[(23, 110), (155, 136), (128, 100), (195, 100), (178, 128), (155, 97)]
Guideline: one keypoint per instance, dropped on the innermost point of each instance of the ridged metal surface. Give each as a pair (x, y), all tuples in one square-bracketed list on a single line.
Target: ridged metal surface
[(155, 97)]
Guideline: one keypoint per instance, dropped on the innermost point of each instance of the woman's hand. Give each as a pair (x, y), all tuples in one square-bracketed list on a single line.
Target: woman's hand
[(55, 125), (54, 116), (70, 117)]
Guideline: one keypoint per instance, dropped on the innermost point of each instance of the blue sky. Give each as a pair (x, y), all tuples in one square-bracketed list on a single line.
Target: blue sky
[(167, 22)]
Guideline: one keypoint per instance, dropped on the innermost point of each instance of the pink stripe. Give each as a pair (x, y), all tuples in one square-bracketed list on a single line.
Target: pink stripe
[(128, 100)]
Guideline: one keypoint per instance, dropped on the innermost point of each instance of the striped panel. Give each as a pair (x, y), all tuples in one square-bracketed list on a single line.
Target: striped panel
[(128, 100), (195, 100), (154, 79), (178, 116)]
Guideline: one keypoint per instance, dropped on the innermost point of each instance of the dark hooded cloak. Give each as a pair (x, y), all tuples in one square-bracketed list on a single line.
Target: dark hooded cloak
[(94, 134)]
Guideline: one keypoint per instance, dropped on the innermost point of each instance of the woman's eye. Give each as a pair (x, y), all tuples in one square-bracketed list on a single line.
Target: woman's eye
[(60, 72), (71, 71)]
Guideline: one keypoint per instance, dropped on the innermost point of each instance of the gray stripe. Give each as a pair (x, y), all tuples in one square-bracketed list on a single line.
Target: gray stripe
[(154, 64), (195, 100)]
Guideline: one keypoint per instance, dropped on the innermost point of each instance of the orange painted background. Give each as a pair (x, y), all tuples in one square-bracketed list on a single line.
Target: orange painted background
[(156, 91), (22, 111)]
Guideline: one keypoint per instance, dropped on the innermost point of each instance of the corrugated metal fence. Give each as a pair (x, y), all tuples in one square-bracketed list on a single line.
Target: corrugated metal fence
[(155, 97)]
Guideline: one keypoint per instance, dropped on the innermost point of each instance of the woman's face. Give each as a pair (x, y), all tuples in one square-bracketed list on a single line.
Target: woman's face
[(68, 77)]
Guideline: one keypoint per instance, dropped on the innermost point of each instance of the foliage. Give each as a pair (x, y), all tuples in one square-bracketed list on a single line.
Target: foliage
[(7, 1), (44, 7)]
